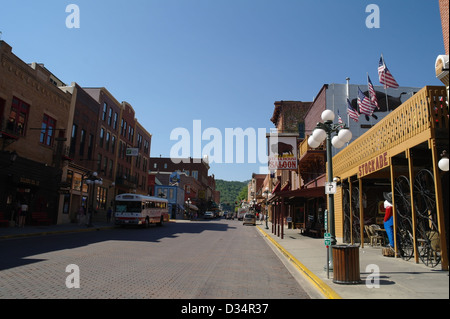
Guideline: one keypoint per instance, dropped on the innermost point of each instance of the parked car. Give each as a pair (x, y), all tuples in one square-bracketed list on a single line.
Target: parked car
[(241, 213), (209, 215), (249, 219)]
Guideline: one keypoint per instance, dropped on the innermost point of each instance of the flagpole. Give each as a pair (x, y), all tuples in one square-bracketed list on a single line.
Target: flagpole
[(370, 99), (385, 86), (385, 92), (348, 98)]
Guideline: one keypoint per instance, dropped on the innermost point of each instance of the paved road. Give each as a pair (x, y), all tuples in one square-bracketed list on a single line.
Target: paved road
[(183, 260)]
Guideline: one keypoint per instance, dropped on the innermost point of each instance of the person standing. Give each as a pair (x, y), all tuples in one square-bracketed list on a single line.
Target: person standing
[(389, 218), (23, 214), (81, 215), (108, 215)]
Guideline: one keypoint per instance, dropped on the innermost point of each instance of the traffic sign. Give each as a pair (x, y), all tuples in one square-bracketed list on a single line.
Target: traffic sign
[(327, 238), (330, 187)]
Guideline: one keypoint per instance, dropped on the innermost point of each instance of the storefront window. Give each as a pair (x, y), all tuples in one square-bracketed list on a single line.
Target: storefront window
[(77, 180), (102, 194)]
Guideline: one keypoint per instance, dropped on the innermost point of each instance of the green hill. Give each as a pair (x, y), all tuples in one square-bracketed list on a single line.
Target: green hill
[(229, 192)]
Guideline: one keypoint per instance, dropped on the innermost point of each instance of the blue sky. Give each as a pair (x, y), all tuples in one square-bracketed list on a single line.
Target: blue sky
[(224, 62)]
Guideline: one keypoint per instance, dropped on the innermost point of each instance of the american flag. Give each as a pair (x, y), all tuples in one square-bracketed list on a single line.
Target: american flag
[(385, 75), (364, 104), (352, 113), (340, 121), (372, 94)]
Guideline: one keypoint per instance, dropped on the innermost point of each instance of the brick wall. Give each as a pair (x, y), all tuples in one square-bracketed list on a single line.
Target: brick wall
[(32, 86), (315, 112), (443, 7)]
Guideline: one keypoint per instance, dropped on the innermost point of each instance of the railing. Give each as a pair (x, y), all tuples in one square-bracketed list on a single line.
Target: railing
[(304, 147), (412, 123), (11, 128)]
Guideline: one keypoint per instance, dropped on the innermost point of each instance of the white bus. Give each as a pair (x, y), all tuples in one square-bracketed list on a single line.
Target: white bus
[(133, 209)]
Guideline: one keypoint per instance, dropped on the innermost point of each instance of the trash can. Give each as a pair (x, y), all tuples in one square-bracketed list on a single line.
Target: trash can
[(346, 264)]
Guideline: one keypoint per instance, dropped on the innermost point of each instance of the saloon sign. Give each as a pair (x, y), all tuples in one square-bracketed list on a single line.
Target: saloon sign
[(373, 165), (282, 152)]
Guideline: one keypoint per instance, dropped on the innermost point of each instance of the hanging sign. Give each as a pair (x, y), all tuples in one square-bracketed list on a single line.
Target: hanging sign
[(282, 151)]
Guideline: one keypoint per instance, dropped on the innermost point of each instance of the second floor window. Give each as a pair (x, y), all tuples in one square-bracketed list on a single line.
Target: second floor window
[(102, 137), (82, 142), (47, 130), (18, 117)]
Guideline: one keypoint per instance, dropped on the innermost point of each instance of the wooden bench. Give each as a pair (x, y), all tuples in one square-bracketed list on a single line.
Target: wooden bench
[(3, 221), (317, 232), (38, 218)]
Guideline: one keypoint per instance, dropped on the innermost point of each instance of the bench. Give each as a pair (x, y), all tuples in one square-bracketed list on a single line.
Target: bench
[(317, 232), (38, 218), (3, 221)]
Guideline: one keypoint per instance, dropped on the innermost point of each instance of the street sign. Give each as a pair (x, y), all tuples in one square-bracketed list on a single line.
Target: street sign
[(132, 152), (327, 238), (330, 188)]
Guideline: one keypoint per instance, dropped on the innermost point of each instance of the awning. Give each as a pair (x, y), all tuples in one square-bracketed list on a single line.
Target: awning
[(285, 187), (300, 193), (305, 192), (277, 188)]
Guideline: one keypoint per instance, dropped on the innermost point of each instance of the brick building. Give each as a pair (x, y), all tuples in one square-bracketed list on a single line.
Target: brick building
[(35, 117), (443, 8), (198, 185), (55, 137), (122, 149), (82, 151)]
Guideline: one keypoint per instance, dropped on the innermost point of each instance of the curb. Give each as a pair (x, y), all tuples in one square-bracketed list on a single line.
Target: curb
[(54, 232), (322, 287)]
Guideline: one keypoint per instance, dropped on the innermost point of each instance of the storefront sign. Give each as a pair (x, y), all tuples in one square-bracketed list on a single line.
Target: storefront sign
[(282, 152), (373, 165), (28, 181), (132, 152)]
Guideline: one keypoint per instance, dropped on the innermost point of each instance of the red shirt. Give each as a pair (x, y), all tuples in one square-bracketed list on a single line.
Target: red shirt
[(388, 213)]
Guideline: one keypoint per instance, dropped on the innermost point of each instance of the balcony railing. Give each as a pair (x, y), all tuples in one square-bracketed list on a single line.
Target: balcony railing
[(412, 123)]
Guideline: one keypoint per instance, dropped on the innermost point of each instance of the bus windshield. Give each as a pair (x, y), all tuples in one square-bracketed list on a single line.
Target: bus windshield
[(128, 207)]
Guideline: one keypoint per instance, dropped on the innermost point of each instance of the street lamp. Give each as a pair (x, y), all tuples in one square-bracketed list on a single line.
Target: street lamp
[(443, 163), (344, 135), (266, 195), (188, 203), (92, 180)]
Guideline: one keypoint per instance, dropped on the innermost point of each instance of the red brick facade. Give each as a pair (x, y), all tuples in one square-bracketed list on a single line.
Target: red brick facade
[(443, 8)]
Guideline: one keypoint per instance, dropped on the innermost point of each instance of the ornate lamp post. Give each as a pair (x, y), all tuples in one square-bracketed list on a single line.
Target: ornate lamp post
[(92, 181), (443, 163), (266, 195), (188, 204), (344, 135)]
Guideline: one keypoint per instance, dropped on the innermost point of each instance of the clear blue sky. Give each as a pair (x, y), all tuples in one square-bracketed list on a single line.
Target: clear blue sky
[(224, 62)]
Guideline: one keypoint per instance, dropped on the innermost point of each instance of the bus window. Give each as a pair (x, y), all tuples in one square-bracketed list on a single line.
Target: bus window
[(130, 207), (121, 208)]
